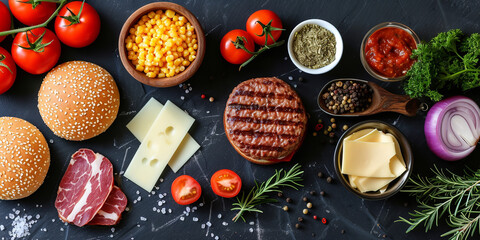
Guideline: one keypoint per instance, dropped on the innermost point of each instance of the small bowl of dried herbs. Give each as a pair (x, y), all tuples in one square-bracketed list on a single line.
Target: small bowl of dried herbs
[(315, 46)]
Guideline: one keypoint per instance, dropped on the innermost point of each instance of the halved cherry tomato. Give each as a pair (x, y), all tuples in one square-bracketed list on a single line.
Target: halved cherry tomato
[(186, 190), (230, 52), (77, 29), (255, 29), (30, 12), (36, 57), (5, 19), (226, 183), (8, 70)]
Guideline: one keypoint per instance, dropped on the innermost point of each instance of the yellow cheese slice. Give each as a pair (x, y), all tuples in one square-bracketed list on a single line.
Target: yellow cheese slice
[(398, 150), (158, 146), (142, 123), (359, 134), (375, 136), (367, 159)]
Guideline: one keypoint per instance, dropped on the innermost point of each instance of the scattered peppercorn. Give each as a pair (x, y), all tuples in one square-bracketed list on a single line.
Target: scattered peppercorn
[(329, 179), (347, 97), (297, 226), (309, 205), (331, 135), (305, 199), (342, 232), (332, 120), (203, 96), (345, 127), (320, 121), (315, 217), (322, 193), (312, 192), (324, 220), (300, 79), (325, 132), (280, 194), (285, 208), (305, 211), (313, 234), (211, 99), (334, 125), (289, 200), (300, 219), (320, 174), (314, 134), (329, 128), (318, 127)]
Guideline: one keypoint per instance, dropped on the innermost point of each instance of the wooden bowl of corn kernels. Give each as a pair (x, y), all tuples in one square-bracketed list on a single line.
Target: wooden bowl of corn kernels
[(161, 44)]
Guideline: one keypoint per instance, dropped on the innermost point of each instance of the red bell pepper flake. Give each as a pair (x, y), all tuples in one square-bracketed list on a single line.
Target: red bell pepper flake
[(324, 220), (318, 127), (315, 217), (203, 96)]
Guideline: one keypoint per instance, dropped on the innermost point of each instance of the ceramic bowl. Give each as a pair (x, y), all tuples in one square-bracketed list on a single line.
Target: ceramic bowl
[(339, 46)]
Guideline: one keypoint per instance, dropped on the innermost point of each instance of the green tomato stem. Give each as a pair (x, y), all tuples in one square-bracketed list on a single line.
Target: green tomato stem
[(24, 29)]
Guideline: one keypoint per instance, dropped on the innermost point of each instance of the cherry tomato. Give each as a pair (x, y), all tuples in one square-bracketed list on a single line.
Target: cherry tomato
[(186, 190), (8, 70), (226, 183), (29, 15), (39, 59), (230, 52), (83, 28), (254, 28), (5, 20)]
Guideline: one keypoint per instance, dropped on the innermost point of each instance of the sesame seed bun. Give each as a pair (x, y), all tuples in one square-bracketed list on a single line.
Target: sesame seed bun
[(78, 100), (24, 158)]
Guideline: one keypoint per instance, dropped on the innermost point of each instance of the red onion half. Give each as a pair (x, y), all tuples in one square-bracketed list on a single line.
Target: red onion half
[(452, 128)]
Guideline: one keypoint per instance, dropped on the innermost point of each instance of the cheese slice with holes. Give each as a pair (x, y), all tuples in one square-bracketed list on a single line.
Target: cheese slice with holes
[(158, 146), (142, 123)]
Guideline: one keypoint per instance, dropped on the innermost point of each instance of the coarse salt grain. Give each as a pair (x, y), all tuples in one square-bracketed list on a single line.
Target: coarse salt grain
[(164, 210), (169, 210), (195, 219), (224, 223), (290, 78), (216, 238), (250, 230), (251, 223), (219, 215), (209, 224), (202, 226), (143, 219), (182, 218)]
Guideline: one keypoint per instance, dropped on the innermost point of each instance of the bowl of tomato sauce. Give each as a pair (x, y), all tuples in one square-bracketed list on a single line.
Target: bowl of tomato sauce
[(386, 51)]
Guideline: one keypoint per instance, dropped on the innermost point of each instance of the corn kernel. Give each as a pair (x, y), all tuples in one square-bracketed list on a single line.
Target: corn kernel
[(170, 13)]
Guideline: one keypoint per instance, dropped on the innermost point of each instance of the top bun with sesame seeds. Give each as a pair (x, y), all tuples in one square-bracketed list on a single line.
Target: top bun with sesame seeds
[(24, 158), (78, 100)]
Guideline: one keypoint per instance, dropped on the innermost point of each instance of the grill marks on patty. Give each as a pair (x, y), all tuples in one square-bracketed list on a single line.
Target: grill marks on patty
[(265, 118)]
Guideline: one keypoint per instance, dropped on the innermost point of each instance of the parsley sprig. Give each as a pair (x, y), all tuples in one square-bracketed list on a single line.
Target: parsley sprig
[(450, 60), (446, 193), (259, 193)]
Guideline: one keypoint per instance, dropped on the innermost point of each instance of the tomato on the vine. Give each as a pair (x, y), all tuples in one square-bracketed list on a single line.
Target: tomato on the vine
[(36, 51), (186, 190), (77, 24), (5, 20), (233, 54), (256, 30), (31, 12), (8, 70), (226, 183)]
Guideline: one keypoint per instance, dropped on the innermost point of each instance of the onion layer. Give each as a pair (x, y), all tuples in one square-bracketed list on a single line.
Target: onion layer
[(452, 128)]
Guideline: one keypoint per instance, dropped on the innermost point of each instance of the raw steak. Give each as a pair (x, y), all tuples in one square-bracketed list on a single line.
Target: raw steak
[(84, 187), (111, 211)]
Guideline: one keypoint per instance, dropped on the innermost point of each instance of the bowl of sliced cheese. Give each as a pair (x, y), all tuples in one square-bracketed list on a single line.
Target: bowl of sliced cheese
[(373, 160)]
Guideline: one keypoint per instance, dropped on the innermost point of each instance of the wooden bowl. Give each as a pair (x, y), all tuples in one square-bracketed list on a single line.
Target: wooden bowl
[(167, 81)]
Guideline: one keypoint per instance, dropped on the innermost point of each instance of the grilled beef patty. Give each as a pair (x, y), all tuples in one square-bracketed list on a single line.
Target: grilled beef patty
[(265, 119)]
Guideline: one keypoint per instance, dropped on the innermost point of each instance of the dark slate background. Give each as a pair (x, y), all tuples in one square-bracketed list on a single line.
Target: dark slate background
[(360, 219)]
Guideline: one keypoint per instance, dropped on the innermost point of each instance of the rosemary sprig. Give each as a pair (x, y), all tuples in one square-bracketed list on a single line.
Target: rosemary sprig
[(259, 193), (446, 192)]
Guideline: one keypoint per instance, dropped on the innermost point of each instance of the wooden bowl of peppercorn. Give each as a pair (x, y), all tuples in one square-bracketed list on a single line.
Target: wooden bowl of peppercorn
[(157, 81), (349, 97)]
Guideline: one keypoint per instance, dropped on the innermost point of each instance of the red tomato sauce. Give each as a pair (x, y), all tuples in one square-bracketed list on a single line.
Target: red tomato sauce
[(388, 51)]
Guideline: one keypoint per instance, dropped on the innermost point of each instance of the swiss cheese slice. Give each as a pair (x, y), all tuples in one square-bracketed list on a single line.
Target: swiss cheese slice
[(142, 123), (158, 146), (367, 159)]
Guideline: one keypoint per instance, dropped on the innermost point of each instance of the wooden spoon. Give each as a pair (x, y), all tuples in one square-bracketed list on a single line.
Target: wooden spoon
[(382, 101)]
